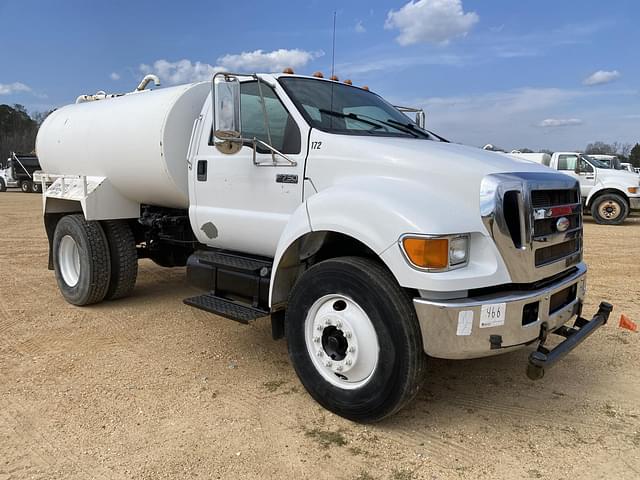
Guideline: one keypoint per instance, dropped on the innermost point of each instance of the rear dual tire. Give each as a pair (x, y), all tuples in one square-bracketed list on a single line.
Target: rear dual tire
[(93, 261), (26, 186), (354, 339)]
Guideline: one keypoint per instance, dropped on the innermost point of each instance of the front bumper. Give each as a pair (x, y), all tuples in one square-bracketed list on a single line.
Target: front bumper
[(634, 203), (460, 328)]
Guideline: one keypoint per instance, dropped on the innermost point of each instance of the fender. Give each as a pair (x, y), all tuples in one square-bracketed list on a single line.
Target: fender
[(611, 187), (400, 206)]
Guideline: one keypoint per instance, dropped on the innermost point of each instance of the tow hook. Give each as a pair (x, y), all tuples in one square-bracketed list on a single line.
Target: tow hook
[(543, 358)]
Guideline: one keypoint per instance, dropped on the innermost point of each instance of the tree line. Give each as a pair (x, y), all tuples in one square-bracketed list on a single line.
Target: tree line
[(18, 130)]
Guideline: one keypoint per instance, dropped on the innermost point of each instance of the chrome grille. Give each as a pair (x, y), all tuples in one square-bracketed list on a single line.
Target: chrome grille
[(522, 213)]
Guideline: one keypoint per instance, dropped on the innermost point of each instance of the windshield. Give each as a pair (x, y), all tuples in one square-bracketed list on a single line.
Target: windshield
[(595, 162), (338, 108)]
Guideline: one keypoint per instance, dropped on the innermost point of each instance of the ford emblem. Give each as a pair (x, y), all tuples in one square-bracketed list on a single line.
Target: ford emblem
[(562, 224)]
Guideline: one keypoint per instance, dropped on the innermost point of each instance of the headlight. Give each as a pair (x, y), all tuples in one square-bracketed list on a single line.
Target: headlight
[(436, 253)]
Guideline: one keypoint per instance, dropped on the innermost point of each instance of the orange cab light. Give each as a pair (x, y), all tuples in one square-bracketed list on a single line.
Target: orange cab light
[(427, 252), (318, 74), (348, 82), (334, 78), (365, 87), (288, 71)]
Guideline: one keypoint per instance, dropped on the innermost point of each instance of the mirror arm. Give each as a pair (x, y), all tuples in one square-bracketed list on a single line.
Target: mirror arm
[(266, 122), (273, 151)]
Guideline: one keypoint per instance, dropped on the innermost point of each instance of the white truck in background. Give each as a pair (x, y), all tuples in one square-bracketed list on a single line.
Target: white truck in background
[(607, 193), (319, 204)]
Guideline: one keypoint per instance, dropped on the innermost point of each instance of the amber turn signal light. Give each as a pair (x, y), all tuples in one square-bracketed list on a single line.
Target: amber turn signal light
[(427, 252)]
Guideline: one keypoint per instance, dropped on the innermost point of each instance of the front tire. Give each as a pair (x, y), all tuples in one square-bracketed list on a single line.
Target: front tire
[(609, 209), (3, 185), (354, 338), (81, 260)]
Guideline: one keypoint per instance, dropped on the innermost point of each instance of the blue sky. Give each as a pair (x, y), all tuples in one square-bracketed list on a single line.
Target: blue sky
[(537, 74)]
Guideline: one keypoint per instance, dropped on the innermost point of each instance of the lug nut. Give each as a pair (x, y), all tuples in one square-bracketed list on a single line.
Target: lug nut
[(327, 322), (347, 334), (316, 339), (339, 368), (349, 362), (320, 353), (339, 324), (352, 349), (328, 364), (319, 328)]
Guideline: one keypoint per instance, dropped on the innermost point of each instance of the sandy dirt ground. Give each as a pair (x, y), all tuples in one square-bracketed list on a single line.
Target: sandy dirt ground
[(149, 388)]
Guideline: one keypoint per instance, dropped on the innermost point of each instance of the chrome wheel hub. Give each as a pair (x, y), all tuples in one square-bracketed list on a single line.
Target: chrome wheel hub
[(341, 341), (69, 260)]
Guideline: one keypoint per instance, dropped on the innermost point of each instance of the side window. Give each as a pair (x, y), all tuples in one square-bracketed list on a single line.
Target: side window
[(285, 134), (567, 162), (585, 166)]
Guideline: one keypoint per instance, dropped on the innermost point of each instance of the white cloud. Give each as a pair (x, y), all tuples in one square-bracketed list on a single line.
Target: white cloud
[(182, 71), (114, 76), (560, 122), (601, 77), (16, 87), (430, 21), (359, 28), (185, 71), (274, 61)]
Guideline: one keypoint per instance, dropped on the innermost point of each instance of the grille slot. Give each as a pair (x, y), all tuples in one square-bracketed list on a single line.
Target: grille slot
[(556, 252), (547, 226), (549, 198), (562, 298), (512, 216)]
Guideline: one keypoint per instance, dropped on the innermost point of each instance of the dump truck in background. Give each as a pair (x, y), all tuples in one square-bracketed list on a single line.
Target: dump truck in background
[(18, 172), (368, 240)]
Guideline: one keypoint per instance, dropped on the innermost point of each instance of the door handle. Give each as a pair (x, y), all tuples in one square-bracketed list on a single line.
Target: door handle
[(201, 170), (590, 177)]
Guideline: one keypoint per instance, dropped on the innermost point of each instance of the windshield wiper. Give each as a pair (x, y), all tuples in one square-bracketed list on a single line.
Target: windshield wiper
[(369, 120), (416, 129)]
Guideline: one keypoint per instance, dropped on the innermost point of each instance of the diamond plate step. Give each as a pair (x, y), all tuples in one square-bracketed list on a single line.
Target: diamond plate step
[(226, 308)]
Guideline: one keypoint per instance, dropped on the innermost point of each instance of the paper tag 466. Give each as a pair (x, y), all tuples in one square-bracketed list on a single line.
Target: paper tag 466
[(492, 315)]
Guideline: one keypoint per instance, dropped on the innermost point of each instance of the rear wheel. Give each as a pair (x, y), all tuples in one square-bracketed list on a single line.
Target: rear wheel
[(26, 186), (609, 209), (124, 258), (354, 338), (81, 260), (36, 187)]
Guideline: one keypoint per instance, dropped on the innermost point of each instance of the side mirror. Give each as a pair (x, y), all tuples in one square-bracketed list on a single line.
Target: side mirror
[(227, 129), (421, 120)]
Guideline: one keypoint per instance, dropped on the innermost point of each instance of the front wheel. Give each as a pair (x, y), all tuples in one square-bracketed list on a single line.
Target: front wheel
[(3, 185), (354, 338), (609, 209)]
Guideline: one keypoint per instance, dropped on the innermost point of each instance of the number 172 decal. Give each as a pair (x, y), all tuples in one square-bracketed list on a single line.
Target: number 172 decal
[(316, 145)]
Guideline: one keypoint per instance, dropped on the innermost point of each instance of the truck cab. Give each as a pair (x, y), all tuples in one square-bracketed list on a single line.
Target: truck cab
[(369, 241), (607, 193)]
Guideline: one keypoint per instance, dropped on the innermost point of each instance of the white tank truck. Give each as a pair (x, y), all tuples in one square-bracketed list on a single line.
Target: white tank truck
[(367, 239)]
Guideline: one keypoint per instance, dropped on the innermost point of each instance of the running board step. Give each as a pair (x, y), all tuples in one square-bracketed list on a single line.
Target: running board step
[(226, 308)]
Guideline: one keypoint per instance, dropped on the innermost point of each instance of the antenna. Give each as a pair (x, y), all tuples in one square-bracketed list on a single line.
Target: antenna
[(333, 48)]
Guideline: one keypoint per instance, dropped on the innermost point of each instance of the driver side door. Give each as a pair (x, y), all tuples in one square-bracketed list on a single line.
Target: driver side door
[(579, 169), (241, 206)]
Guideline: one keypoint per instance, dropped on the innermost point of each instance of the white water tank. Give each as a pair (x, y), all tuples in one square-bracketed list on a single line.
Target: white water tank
[(139, 141)]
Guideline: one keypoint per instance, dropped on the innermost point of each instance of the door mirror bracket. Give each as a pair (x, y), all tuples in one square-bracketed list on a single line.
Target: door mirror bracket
[(227, 119)]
